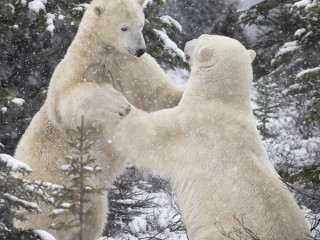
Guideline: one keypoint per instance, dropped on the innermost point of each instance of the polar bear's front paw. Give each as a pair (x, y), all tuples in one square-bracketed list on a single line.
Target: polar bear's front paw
[(117, 106), (125, 111)]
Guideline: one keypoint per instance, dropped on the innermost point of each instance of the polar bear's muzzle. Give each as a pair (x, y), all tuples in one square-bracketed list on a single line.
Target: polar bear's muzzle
[(137, 45), (137, 53), (140, 52)]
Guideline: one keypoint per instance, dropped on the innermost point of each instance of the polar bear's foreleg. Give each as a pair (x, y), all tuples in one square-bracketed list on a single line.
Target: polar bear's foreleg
[(97, 104), (141, 135)]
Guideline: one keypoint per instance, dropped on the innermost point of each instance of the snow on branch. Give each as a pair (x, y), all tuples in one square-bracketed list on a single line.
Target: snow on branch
[(14, 164), (308, 71), (43, 235), (18, 101), (169, 44), (26, 204), (299, 32), (305, 3), (81, 7), (302, 3), (171, 22), (288, 47), (50, 20), (37, 5)]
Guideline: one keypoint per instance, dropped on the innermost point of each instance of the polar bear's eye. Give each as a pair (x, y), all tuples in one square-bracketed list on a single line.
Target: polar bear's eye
[(124, 29)]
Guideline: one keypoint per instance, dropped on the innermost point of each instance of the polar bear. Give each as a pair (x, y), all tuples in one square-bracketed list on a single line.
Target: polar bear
[(210, 149), (105, 61)]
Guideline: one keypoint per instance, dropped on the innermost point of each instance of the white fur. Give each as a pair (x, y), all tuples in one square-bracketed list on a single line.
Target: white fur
[(98, 65), (210, 148)]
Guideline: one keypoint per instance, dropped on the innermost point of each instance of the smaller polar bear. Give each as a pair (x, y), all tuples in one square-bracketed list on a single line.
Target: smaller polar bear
[(210, 148)]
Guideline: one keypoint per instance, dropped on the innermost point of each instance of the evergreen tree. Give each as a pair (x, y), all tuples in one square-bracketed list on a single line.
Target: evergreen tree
[(285, 35), (33, 39), (16, 197), (203, 17), (157, 31), (142, 206), (265, 93), (72, 199)]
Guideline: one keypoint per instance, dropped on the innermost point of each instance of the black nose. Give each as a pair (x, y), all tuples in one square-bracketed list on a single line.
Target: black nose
[(140, 52)]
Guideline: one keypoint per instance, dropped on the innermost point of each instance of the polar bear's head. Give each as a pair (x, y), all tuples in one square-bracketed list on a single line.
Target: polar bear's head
[(119, 24), (220, 65), (208, 50)]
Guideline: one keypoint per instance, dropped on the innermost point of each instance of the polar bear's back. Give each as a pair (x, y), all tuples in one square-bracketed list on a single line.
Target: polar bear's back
[(256, 193), (238, 195), (232, 180)]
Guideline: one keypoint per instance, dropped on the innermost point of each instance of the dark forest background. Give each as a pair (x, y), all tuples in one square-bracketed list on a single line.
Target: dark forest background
[(286, 95)]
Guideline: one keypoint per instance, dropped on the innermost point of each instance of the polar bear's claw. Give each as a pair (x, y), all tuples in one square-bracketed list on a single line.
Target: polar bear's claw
[(128, 109)]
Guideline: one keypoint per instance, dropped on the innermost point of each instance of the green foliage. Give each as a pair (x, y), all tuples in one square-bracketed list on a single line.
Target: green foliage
[(138, 194), (17, 196), (155, 45), (127, 199), (309, 84), (306, 174), (288, 99), (29, 54), (289, 39), (286, 41), (266, 108), (80, 168)]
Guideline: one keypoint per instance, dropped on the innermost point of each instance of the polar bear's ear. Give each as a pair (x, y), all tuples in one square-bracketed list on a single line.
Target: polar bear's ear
[(252, 54), (98, 10), (205, 54), (142, 3)]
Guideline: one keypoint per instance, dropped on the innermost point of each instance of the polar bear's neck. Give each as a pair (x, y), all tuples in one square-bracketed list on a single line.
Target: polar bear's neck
[(95, 50), (218, 86)]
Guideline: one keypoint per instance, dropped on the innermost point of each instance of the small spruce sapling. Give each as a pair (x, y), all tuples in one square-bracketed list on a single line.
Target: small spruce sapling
[(71, 199), (18, 196)]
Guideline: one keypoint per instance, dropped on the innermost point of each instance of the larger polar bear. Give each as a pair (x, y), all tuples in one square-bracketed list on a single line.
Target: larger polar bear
[(210, 148), (106, 55)]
